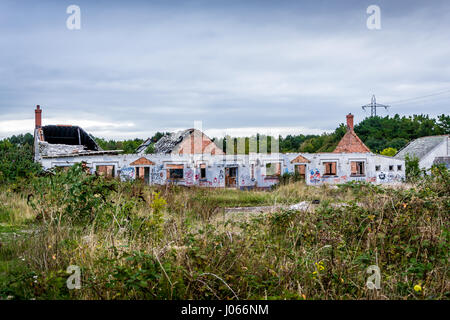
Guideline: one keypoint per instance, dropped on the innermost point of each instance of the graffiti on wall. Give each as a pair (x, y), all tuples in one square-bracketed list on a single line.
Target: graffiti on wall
[(189, 177), (127, 174), (245, 179), (314, 176), (157, 173), (389, 178)]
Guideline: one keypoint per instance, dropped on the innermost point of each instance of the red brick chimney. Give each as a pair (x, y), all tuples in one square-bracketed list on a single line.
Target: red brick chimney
[(38, 117), (350, 122)]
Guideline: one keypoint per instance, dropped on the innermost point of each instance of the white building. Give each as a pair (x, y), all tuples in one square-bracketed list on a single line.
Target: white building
[(190, 158), (429, 150)]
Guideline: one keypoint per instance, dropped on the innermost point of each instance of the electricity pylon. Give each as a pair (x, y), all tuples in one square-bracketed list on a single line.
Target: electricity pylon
[(373, 105)]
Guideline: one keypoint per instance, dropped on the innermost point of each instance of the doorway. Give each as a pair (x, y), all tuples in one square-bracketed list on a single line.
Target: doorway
[(143, 173), (300, 169), (231, 177)]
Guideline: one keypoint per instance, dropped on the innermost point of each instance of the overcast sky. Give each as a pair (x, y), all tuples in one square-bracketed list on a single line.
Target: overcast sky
[(137, 67)]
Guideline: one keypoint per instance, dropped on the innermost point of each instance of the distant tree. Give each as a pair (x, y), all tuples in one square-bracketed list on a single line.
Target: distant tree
[(22, 139), (150, 149), (158, 135), (397, 143), (16, 159), (390, 152), (444, 123)]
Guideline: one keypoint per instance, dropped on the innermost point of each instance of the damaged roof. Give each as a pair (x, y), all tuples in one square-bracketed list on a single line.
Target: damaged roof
[(141, 149), (420, 147), (69, 135), (66, 141), (168, 142)]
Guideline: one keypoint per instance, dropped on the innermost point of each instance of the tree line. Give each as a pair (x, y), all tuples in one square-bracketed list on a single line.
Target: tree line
[(385, 135)]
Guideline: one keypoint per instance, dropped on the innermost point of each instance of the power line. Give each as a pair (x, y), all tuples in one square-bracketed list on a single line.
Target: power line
[(420, 97)]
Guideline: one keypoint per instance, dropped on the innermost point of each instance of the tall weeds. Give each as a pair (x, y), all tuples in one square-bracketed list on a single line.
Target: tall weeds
[(132, 241)]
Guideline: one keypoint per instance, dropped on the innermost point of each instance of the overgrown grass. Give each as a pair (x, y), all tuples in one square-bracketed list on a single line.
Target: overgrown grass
[(132, 241)]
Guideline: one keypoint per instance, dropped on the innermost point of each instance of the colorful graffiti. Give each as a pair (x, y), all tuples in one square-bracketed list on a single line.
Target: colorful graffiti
[(189, 177), (314, 176), (157, 174), (127, 174)]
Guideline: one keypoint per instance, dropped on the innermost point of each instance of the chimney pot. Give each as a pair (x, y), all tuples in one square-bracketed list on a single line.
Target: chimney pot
[(38, 117), (350, 122)]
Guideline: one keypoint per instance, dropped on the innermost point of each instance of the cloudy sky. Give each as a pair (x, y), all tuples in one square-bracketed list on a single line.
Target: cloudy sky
[(137, 67)]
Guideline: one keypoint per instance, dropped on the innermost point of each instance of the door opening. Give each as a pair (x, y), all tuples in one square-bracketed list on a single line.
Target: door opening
[(230, 176)]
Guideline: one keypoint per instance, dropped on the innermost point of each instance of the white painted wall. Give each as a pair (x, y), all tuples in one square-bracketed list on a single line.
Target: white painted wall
[(216, 164), (441, 150)]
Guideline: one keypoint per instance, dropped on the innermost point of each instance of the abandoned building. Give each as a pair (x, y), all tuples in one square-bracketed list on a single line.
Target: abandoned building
[(429, 150), (190, 141), (190, 158)]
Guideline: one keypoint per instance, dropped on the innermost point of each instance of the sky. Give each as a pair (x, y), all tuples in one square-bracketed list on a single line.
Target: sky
[(239, 67)]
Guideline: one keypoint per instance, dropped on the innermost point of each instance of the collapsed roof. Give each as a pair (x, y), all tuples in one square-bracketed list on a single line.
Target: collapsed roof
[(168, 142), (174, 142), (66, 141), (69, 135)]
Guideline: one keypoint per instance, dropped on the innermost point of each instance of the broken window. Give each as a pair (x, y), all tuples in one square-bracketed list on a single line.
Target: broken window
[(391, 168), (399, 167), (330, 168), (357, 168), (175, 171), (377, 168), (105, 170), (273, 169), (203, 171)]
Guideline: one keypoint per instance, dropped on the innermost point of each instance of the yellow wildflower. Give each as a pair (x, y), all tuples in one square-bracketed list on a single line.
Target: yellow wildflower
[(320, 266), (417, 288)]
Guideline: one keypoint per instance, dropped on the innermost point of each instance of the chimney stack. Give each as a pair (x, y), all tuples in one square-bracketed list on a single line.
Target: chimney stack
[(38, 117), (350, 122)]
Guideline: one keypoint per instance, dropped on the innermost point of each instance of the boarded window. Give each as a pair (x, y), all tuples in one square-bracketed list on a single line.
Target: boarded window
[(273, 169), (253, 171), (357, 168), (330, 168), (105, 170)]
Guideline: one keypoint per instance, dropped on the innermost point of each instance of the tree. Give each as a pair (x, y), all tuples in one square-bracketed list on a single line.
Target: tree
[(412, 169), (390, 152), (16, 160)]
